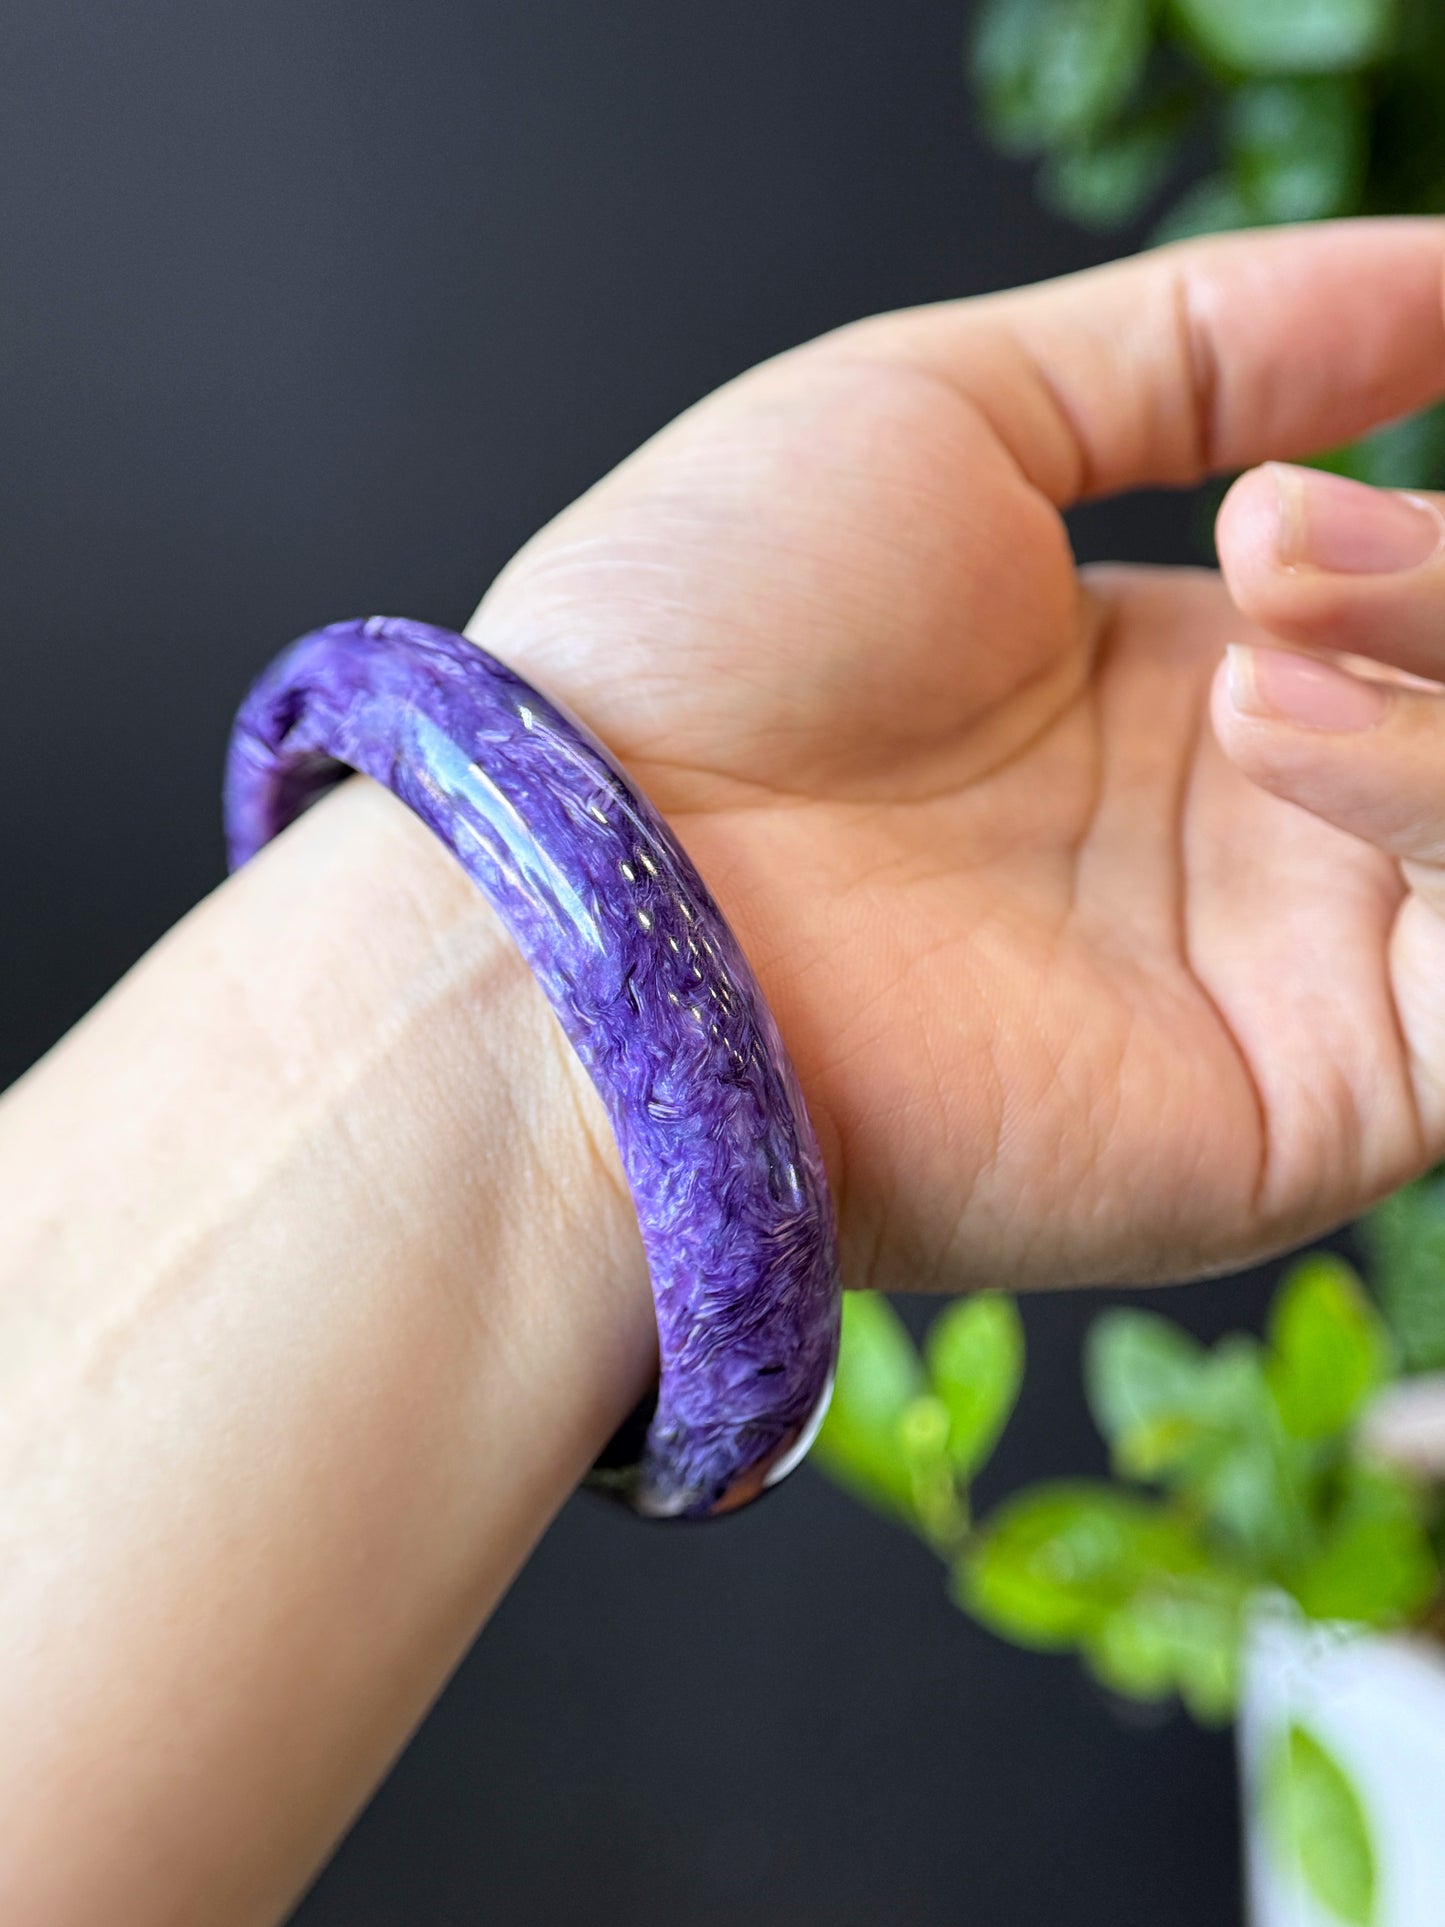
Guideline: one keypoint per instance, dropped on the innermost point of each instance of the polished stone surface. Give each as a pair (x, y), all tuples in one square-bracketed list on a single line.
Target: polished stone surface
[(654, 993)]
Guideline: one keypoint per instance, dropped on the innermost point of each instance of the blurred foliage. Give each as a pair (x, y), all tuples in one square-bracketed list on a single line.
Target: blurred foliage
[(1405, 1240), (1214, 114), (1235, 1466), (907, 1433)]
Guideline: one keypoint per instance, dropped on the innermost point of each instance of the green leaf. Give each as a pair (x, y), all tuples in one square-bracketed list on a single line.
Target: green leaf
[(1052, 71), (1405, 454), (1213, 206), (1405, 1238), (975, 1354), (1127, 1583), (1291, 36), (1142, 1378), (879, 1376), (1376, 1565), (1179, 1633), (1131, 1650), (1204, 1424), (1252, 1480), (1297, 146), (1166, 1405), (1328, 1349), (1316, 1823), (934, 1499), (1109, 180), (1055, 1561)]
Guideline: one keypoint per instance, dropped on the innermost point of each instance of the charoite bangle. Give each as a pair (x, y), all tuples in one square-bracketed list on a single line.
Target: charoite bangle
[(651, 988)]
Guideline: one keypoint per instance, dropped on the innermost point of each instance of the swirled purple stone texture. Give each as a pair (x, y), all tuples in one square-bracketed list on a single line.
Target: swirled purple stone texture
[(651, 988)]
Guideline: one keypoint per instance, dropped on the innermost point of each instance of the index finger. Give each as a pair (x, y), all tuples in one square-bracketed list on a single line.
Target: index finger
[(1208, 355)]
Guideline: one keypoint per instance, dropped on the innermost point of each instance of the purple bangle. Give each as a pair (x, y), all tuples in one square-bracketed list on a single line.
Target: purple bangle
[(651, 988)]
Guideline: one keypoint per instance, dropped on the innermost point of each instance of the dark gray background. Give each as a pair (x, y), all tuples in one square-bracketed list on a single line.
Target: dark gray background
[(309, 309)]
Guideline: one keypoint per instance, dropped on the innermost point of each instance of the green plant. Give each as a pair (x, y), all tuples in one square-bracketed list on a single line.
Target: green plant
[(1236, 1469), (1215, 114)]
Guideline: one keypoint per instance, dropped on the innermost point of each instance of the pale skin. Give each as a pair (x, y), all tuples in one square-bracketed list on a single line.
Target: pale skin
[(319, 1289)]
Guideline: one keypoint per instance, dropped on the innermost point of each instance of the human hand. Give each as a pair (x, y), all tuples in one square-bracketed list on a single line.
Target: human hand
[(1072, 994)]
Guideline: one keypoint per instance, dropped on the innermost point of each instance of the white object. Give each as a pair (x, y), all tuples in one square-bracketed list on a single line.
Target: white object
[(1405, 1425), (1375, 1703)]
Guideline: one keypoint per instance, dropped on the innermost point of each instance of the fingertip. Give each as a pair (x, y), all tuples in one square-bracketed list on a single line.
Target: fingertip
[(1229, 720), (1291, 723), (1276, 686), (1232, 727), (1246, 531), (1358, 753), (1249, 512), (1363, 755), (1319, 559)]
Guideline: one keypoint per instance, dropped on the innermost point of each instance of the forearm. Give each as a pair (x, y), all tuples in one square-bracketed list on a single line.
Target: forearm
[(318, 1292)]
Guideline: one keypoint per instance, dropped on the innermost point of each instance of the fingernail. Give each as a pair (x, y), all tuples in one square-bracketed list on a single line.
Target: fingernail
[(1329, 522), (1297, 689)]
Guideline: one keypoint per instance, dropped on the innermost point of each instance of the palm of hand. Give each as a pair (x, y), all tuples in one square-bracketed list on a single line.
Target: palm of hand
[(1071, 999)]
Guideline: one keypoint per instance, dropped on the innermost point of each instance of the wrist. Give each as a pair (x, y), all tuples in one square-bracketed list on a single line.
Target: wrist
[(342, 1295)]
